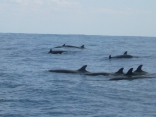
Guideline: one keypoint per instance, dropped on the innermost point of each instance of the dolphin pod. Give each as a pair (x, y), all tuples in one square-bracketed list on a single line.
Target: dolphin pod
[(130, 75), (120, 72), (125, 55), (70, 46), (119, 75)]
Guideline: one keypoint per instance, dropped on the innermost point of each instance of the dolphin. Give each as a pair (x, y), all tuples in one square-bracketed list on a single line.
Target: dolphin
[(97, 73), (139, 71), (81, 70), (125, 55), (60, 46), (56, 52), (130, 73), (70, 46), (119, 72)]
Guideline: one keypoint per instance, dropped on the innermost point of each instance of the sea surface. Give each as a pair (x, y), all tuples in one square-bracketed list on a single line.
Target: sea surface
[(27, 89)]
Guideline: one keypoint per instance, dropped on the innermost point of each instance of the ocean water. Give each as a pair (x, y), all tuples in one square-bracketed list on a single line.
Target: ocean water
[(28, 90)]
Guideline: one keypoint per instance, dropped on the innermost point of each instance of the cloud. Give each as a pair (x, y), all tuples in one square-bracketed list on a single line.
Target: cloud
[(123, 11), (60, 7), (27, 2), (109, 11), (64, 3), (47, 3), (42, 8)]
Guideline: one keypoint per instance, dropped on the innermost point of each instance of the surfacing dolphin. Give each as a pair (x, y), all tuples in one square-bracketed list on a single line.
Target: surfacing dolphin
[(60, 46), (119, 72), (56, 51), (82, 70), (139, 71), (125, 55), (70, 46)]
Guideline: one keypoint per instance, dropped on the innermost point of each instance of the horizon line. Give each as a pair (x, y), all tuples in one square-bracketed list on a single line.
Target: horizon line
[(74, 34)]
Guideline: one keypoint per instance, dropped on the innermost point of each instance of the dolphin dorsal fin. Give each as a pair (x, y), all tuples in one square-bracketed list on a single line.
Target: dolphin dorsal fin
[(82, 46), (83, 68), (129, 73), (63, 45), (50, 51), (110, 57), (139, 68), (125, 53), (120, 71)]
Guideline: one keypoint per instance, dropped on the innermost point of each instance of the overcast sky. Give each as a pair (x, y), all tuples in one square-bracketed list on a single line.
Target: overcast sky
[(90, 17)]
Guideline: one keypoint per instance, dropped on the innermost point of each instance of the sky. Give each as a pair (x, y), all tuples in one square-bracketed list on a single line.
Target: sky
[(88, 17)]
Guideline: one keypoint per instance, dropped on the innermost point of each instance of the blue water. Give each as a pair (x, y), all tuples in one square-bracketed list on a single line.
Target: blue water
[(28, 90)]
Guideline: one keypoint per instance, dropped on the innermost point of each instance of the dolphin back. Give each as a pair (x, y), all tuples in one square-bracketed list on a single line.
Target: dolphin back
[(120, 71), (139, 69), (83, 69), (129, 73)]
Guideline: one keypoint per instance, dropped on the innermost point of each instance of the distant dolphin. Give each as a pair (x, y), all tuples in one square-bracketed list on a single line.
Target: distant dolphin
[(56, 52), (119, 72), (139, 71), (81, 70), (70, 46), (125, 55), (60, 46)]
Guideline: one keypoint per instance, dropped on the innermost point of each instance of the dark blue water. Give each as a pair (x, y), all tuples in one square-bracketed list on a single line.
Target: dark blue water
[(28, 90)]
